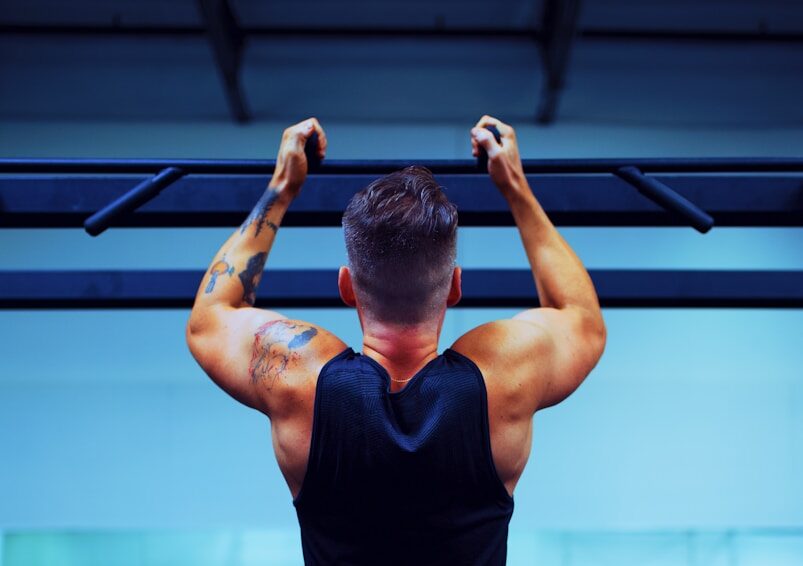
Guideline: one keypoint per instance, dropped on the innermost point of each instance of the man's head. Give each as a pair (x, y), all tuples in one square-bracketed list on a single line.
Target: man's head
[(401, 239)]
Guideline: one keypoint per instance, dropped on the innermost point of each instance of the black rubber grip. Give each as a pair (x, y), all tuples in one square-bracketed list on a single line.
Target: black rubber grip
[(482, 156), (311, 151)]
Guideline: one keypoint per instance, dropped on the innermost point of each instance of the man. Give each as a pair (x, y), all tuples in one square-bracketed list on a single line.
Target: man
[(399, 455)]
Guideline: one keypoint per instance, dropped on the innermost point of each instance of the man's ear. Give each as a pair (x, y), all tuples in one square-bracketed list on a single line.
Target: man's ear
[(456, 290), (345, 287)]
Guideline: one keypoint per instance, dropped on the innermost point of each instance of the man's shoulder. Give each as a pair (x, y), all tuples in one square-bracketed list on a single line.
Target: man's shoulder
[(503, 343), (510, 355), (287, 355)]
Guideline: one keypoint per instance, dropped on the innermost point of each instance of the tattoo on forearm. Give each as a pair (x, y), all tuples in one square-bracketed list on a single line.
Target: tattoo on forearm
[(276, 346), (259, 216), (219, 268), (251, 275)]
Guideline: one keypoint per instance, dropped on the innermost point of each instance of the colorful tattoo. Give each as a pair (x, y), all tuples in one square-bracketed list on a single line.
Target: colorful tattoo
[(251, 275), (259, 216), (276, 346), (219, 268)]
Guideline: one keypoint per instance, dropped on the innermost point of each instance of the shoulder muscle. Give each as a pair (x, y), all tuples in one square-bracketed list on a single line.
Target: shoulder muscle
[(260, 357), (539, 357)]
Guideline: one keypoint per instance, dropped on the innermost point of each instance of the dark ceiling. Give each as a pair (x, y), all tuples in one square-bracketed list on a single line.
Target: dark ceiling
[(754, 16), (31, 31)]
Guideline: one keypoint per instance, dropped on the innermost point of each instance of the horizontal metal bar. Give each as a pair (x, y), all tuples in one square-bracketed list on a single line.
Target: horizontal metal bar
[(44, 201), (378, 167), (481, 288), (592, 33)]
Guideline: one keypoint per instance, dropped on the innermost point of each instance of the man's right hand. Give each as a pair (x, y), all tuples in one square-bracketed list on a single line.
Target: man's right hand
[(291, 162), (504, 163)]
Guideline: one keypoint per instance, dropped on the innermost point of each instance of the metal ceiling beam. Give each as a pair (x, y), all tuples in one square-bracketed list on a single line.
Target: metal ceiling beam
[(558, 30), (481, 288), (227, 41), (526, 33)]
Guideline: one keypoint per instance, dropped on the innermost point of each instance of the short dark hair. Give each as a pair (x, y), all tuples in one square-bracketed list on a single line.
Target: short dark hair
[(401, 239)]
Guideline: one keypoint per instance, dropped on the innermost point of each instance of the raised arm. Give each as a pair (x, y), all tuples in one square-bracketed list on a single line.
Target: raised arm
[(547, 351), (248, 352)]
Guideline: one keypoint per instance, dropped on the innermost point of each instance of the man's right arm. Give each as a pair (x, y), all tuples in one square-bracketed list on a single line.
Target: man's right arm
[(543, 353)]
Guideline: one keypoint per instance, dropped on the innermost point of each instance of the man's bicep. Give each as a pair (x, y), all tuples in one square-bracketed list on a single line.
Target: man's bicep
[(574, 348)]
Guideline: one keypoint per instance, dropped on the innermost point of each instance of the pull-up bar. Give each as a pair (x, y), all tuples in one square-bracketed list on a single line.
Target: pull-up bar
[(384, 166), (39, 193)]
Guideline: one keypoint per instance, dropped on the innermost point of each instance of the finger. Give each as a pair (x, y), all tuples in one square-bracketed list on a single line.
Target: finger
[(301, 129), (474, 147), (322, 141), (487, 141), (485, 121), (296, 136), (505, 130)]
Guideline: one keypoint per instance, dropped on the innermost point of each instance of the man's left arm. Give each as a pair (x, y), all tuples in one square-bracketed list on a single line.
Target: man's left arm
[(250, 352)]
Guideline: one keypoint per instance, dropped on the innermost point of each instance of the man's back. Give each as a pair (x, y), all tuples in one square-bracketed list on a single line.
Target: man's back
[(516, 360), (410, 470)]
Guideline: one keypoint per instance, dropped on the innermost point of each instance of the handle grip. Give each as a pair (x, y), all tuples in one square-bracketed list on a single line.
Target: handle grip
[(482, 156), (311, 151)]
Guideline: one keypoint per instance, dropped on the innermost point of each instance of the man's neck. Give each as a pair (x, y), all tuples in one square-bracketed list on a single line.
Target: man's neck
[(401, 350)]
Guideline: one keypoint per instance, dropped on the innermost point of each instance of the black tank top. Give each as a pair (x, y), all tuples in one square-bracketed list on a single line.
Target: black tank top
[(403, 478)]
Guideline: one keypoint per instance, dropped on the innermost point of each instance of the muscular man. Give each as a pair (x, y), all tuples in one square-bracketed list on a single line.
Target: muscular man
[(399, 455)]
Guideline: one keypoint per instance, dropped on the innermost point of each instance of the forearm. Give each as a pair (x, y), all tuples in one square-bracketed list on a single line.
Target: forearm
[(235, 271), (560, 277)]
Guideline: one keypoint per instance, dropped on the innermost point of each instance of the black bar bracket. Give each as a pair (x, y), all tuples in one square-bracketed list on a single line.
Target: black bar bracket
[(667, 198), (145, 191)]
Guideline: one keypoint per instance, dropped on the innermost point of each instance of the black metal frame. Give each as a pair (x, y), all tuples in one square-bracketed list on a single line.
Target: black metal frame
[(50, 193)]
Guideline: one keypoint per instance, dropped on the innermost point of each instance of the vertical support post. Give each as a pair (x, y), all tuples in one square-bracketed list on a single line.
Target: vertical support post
[(558, 29), (227, 41)]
